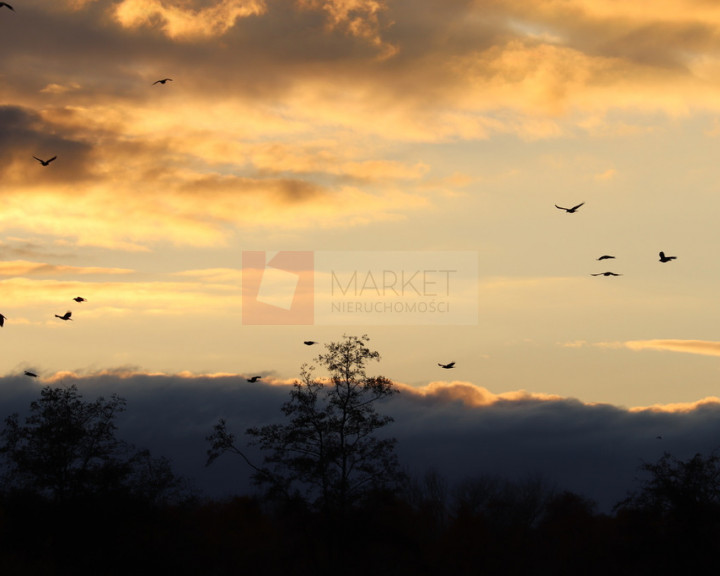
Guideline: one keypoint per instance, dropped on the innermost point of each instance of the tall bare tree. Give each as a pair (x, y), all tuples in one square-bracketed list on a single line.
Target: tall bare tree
[(329, 451)]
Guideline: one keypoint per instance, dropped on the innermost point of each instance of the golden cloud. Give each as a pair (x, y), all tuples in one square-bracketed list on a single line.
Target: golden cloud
[(128, 373), (575, 344), (180, 21), (360, 18), (678, 407), (470, 394), (703, 347), (155, 179), (307, 145), (32, 297), (214, 275), (27, 268), (54, 88), (608, 174)]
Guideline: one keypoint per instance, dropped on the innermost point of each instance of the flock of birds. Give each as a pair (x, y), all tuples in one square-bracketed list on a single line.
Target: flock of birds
[(65, 317), (574, 209), (68, 314)]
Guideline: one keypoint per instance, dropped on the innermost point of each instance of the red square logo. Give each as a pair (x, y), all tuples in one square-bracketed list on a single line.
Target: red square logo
[(278, 288)]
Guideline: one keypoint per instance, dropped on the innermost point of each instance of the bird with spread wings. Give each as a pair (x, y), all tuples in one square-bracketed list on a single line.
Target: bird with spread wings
[(570, 210), (45, 162)]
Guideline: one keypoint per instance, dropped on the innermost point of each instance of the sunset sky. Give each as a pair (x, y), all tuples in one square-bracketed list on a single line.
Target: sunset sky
[(348, 126)]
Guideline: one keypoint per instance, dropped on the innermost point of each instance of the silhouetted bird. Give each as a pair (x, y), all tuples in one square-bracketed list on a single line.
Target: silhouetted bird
[(80, 299), (2, 320), (44, 162), (570, 210), (606, 274), (664, 258), (254, 379), (658, 437), (447, 366), (65, 316), (31, 374), (8, 5), (309, 342), (162, 81), (605, 257)]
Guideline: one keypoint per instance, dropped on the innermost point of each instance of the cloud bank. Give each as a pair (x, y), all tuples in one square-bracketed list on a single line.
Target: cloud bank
[(457, 428), (297, 112)]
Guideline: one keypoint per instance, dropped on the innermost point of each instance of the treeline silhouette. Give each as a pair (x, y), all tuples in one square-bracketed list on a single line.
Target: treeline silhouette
[(481, 526), (332, 499)]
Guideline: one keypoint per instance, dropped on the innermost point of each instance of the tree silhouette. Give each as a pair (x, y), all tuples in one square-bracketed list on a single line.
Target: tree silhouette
[(678, 488), (328, 452), (676, 513), (67, 448)]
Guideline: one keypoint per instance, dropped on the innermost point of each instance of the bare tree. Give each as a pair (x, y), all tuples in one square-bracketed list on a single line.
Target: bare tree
[(329, 451)]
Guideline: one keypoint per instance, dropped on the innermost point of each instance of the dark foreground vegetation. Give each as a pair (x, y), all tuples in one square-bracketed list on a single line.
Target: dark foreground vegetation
[(332, 499), (385, 534)]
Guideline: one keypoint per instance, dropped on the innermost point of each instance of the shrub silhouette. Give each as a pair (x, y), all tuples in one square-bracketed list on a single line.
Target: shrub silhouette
[(66, 449)]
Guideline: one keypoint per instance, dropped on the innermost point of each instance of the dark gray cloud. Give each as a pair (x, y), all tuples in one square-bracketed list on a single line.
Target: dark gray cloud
[(24, 134), (291, 42), (595, 450)]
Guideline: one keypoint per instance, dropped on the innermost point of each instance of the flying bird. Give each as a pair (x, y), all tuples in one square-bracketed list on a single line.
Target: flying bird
[(31, 374), (80, 299), (309, 342), (2, 320), (8, 5), (664, 258), (605, 257), (606, 274), (570, 210), (65, 316), (44, 162), (254, 379), (447, 366), (162, 81)]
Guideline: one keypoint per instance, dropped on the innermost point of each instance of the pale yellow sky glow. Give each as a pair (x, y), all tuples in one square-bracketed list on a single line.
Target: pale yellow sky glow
[(367, 125)]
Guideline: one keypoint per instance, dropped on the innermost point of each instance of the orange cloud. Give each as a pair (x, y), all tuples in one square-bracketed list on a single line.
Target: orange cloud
[(26, 268), (214, 275), (128, 373), (360, 18), (609, 174), (108, 299), (182, 22), (470, 394), (704, 347), (54, 88), (678, 407)]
